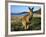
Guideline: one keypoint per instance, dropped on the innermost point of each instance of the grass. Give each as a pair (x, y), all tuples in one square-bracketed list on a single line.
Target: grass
[(35, 25)]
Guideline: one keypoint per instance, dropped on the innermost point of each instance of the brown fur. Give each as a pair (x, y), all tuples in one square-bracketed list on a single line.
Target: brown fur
[(26, 21)]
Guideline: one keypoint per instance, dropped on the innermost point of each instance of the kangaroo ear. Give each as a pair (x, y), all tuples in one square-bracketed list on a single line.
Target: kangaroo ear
[(29, 8), (32, 8)]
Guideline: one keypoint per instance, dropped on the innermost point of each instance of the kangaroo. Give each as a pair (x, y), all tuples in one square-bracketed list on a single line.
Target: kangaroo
[(26, 20)]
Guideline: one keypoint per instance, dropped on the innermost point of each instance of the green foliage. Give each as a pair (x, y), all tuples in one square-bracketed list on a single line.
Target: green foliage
[(35, 25)]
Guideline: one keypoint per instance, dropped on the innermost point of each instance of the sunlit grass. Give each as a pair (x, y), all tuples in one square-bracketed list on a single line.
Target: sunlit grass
[(35, 25)]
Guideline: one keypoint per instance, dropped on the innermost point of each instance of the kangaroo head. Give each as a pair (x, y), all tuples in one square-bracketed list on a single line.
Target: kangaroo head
[(31, 9)]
